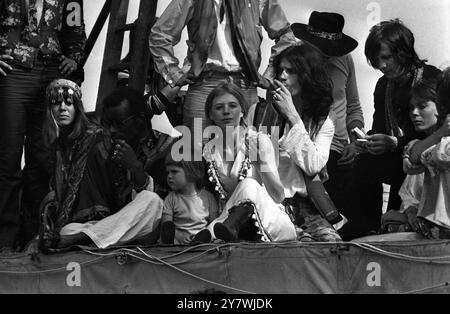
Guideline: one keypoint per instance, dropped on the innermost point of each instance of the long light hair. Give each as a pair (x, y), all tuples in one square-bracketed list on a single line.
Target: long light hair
[(51, 129), (223, 89)]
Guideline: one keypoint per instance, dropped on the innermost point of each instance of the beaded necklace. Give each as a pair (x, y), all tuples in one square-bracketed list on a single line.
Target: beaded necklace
[(214, 176)]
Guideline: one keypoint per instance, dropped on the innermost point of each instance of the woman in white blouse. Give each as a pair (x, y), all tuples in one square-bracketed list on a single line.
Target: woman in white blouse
[(303, 95), (431, 156), (243, 169)]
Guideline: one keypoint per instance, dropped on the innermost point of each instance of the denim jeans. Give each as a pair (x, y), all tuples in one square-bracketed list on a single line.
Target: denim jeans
[(194, 105), (22, 112)]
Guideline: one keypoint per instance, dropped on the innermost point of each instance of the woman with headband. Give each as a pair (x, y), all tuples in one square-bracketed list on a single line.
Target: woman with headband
[(85, 203)]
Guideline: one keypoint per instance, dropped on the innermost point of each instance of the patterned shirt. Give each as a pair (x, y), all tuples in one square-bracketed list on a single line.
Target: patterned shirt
[(435, 164), (60, 31)]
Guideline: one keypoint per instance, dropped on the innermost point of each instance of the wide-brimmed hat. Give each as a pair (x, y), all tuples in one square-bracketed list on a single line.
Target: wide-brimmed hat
[(324, 30)]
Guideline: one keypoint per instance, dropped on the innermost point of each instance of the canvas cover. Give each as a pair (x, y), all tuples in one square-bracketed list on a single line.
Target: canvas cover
[(398, 267)]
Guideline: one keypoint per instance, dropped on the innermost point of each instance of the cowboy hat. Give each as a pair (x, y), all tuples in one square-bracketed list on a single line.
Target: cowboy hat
[(324, 30)]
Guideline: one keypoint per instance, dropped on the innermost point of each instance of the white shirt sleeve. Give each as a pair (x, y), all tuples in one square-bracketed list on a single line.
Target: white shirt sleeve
[(311, 156), (411, 191), (438, 156)]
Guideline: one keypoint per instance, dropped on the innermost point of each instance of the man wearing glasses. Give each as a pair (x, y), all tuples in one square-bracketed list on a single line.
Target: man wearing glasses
[(137, 149)]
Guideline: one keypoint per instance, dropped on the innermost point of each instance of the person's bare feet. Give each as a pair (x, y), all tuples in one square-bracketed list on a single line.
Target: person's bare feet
[(66, 241)]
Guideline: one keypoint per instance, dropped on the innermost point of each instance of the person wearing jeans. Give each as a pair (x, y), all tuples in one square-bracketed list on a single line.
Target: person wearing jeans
[(223, 47), (39, 42)]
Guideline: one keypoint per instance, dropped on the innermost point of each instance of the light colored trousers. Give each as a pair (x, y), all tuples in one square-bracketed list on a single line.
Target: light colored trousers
[(272, 219), (137, 219)]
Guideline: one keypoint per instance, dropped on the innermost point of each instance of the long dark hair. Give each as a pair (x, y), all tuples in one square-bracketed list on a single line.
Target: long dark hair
[(400, 41), (311, 68), (51, 129), (426, 91)]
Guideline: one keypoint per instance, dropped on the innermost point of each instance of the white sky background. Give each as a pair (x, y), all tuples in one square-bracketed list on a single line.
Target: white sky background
[(428, 19)]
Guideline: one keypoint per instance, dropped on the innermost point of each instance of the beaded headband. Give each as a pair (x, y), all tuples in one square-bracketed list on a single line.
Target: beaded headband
[(55, 91)]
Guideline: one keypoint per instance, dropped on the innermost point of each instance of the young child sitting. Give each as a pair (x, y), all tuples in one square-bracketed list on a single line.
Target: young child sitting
[(189, 208)]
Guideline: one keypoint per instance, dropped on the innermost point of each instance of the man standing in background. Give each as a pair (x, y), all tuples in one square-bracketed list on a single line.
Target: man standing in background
[(224, 46)]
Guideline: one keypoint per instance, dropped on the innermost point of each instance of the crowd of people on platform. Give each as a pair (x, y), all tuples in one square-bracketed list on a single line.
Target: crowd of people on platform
[(294, 166)]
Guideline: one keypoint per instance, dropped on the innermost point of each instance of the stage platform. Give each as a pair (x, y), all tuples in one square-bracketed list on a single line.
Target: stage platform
[(273, 268)]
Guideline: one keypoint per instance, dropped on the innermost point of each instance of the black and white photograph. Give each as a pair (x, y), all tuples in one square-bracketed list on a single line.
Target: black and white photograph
[(224, 153)]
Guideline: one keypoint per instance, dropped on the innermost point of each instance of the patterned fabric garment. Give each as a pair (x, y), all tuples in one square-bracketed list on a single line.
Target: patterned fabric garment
[(60, 30), (274, 224), (71, 169), (89, 187), (121, 175), (149, 146), (435, 199), (80, 186), (309, 225)]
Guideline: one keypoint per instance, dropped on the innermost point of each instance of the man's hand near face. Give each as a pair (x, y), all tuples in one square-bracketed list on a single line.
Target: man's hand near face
[(124, 155)]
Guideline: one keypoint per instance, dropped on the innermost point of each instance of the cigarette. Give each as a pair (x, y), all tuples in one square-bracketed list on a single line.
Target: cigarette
[(278, 89)]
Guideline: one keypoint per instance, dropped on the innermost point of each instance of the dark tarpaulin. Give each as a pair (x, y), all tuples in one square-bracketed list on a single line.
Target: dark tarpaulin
[(398, 267)]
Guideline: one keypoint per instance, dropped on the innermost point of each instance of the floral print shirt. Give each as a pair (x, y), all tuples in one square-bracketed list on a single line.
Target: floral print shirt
[(60, 31)]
